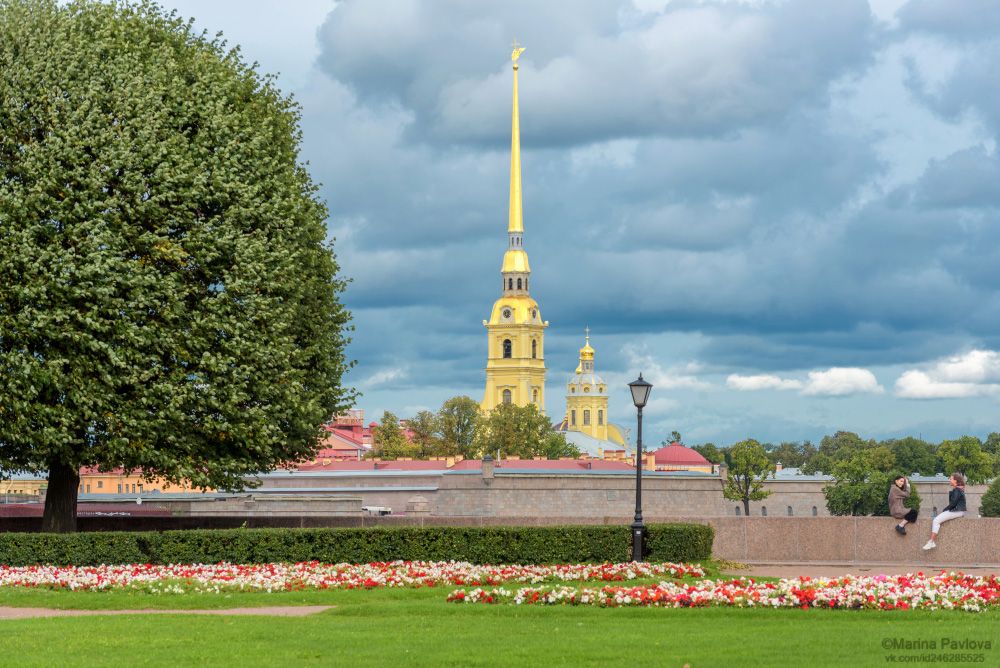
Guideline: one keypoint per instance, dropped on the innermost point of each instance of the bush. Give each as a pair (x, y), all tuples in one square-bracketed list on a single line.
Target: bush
[(989, 506), (511, 545)]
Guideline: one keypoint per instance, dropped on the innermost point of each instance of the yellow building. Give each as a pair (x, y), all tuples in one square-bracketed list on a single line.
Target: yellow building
[(587, 401), (515, 367)]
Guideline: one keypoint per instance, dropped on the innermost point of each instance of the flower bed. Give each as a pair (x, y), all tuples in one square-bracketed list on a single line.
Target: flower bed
[(942, 591), (315, 575)]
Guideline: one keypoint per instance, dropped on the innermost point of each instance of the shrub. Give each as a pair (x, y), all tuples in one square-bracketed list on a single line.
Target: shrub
[(512, 545), (989, 506)]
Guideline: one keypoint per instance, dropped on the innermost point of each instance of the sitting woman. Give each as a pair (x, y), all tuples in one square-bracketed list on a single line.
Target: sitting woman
[(954, 509), (898, 493)]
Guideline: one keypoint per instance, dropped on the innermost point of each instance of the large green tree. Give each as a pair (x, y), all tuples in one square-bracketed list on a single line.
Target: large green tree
[(965, 455), (861, 484), (458, 424), (389, 441), (168, 303), (521, 431), (748, 469)]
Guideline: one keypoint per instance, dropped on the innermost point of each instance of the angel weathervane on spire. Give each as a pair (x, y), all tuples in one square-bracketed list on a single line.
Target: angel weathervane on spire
[(516, 53)]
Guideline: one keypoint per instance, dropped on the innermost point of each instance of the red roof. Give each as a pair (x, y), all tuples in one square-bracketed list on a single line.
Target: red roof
[(676, 454)]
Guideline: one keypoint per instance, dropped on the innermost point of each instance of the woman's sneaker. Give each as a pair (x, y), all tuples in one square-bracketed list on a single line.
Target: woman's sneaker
[(930, 545)]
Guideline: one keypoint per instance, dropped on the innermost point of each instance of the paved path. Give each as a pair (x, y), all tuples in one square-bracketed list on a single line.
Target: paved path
[(778, 570), (275, 611)]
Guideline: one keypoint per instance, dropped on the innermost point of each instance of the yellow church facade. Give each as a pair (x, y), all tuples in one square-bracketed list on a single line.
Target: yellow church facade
[(515, 366)]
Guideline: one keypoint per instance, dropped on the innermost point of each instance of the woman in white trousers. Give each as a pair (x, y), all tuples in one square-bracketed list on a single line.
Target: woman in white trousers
[(954, 509)]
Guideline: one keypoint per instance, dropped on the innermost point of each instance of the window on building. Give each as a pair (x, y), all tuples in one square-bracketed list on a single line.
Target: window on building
[(572, 417), (133, 488), (600, 417), (738, 511), (763, 511), (534, 396), (815, 512), (507, 398), (510, 283), (789, 511), (100, 484), (586, 417), (140, 489), (507, 349), (519, 284), (88, 488), (119, 488), (534, 349)]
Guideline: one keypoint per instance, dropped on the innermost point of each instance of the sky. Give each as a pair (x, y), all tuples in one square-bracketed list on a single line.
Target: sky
[(786, 215)]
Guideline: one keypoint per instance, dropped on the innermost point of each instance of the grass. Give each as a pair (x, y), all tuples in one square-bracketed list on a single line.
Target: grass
[(416, 627)]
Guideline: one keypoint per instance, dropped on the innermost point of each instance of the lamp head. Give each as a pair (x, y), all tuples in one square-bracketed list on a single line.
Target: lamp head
[(640, 391)]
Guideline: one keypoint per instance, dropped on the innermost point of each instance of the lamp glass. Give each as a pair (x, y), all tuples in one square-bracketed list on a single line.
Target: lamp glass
[(640, 391)]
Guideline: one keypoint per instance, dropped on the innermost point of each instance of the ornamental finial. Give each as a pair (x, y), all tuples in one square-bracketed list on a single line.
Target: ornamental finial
[(517, 51)]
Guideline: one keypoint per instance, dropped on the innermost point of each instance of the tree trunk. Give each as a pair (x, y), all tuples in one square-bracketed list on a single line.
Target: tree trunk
[(746, 506), (60, 499)]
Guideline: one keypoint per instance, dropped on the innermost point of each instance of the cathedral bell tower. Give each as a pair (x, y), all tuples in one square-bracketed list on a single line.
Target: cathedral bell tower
[(515, 365)]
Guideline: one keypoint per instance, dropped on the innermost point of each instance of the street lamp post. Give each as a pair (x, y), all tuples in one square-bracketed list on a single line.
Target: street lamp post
[(640, 395)]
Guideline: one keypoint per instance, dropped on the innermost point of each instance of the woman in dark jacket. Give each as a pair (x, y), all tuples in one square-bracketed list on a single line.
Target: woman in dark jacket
[(954, 509), (898, 493)]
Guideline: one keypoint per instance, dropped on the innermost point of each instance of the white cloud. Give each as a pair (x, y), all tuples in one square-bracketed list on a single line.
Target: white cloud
[(672, 378), (761, 382), (969, 374), (385, 377), (842, 381)]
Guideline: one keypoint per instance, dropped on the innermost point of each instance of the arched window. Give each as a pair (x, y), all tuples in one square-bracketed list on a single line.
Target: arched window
[(815, 512), (507, 397), (519, 284), (572, 417), (737, 511), (763, 511), (534, 396), (534, 349), (586, 417), (507, 351), (600, 417), (789, 511)]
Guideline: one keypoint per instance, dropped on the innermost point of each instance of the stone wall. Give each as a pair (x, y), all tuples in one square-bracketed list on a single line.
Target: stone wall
[(592, 494)]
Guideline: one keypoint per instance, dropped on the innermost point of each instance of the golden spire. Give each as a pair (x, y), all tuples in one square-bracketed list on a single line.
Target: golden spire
[(515, 222), (587, 353)]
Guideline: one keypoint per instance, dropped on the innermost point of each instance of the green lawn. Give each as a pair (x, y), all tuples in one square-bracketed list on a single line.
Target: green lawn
[(418, 628)]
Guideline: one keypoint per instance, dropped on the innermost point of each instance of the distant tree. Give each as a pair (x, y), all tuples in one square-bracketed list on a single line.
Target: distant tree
[(168, 299), (861, 483), (992, 443), (514, 431), (424, 427), (555, 446), (818, 463), (675, 437), (389, 441), (710, 452), (913, 455), (842, 445), (788, 453), (458, 423), (965, 455), (748, 470)]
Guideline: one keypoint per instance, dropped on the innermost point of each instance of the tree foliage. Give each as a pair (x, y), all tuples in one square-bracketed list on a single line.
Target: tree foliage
[(748, 469), (861, 484), (168, 302), (389, 441)]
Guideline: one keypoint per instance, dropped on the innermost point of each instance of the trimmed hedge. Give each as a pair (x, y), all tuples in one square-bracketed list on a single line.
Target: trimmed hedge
[(509, 545)]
